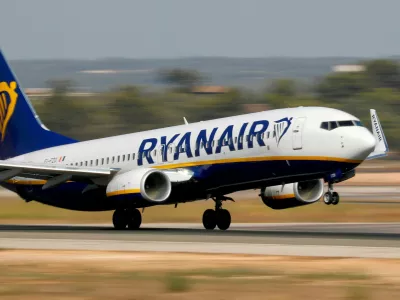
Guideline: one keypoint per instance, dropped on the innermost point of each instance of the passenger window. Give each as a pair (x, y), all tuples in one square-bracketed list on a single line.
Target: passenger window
[(108, 160), (128, 157), (85, 163), (97, 162), (273, 134), (133, 156), (102, 161), (268, 134), (123, 157)]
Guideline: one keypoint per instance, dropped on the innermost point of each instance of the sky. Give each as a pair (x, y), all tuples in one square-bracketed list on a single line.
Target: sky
[(91, 29)]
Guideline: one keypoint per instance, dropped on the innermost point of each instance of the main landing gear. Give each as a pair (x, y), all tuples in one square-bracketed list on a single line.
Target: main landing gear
[(331, 197), (130, 218), (219, 217)]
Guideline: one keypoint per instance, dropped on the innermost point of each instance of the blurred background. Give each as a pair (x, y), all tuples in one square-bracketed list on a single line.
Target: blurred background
[(96, 68), (99, 68)]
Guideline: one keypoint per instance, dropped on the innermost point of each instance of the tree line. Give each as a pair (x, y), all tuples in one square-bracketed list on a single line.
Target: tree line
[(126, 109)]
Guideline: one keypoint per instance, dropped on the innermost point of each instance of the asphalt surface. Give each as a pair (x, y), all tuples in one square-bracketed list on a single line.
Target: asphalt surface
[(377, 240)]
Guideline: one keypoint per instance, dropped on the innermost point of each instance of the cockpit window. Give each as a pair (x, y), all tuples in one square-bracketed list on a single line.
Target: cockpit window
[(345, 123), (335, 124), (325, 125), (359, 123)]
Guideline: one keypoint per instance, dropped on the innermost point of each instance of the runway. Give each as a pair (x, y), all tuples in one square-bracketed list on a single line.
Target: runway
[(372, 240)]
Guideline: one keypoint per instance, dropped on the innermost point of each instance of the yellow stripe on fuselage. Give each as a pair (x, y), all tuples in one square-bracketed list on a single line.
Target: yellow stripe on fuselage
[(282, 197), (26, 182), (123, 192), (257, 159)]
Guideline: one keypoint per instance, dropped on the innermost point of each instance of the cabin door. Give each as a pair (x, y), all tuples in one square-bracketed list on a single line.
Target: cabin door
[(160, 155), (297, 137), (170, 152)]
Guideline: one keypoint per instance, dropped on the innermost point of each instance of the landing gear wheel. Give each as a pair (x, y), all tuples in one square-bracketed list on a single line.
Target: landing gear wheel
[(328, 198), (135, 219), (120, 219), (335, 198), (223, 219), (209, 219)]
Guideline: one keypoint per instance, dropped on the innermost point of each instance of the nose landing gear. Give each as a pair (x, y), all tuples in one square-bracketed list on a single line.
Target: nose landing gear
[(219, 217), (331, 197)]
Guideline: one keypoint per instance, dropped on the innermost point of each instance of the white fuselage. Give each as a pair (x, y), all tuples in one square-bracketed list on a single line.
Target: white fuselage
[(308, 140)]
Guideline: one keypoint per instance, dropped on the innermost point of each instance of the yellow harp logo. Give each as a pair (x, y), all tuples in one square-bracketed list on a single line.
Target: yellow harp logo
[(8, 100)]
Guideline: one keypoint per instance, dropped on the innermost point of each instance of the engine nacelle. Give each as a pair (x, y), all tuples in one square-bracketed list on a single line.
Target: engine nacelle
[(293, 194), (151, 184)]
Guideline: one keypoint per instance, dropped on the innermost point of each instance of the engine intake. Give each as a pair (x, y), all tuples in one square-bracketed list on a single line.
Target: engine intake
[(293, 194), (152, 184), (155, 186)]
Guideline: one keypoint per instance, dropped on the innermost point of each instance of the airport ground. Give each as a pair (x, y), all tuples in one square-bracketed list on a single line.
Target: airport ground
[(262, 256), (37, 274)]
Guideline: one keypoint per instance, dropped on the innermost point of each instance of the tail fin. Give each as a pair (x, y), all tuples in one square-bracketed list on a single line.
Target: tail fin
[(381, 146), (21, 130)]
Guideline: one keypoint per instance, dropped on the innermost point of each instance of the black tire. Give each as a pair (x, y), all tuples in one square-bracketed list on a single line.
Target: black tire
[(135, 219), (223, 219), (335, 198), (328, 198), (120, 219), (209, 219)]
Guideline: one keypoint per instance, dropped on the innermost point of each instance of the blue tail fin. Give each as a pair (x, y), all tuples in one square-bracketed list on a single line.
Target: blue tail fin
[(21, 130)]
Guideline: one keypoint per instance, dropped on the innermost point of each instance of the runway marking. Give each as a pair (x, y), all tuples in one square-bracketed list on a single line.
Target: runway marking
[(202, 247)]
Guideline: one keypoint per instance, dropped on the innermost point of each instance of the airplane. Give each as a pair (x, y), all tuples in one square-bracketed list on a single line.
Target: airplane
[(288, 154)]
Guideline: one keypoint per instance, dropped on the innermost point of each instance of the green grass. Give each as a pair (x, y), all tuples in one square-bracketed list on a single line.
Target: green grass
[(329, 276), (177, 283), (357, 293)]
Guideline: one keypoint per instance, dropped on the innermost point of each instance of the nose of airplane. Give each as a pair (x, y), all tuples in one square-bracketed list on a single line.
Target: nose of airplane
[(365, 143)]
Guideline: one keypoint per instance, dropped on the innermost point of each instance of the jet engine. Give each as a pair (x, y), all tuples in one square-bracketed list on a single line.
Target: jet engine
[(293, 194), (151, 184)]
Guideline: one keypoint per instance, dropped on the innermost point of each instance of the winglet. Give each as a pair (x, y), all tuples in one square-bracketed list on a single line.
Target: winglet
[(381, 147), (184, 119)]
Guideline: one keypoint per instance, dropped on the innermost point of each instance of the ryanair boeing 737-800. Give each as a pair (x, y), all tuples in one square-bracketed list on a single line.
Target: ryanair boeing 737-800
[(287, 154)]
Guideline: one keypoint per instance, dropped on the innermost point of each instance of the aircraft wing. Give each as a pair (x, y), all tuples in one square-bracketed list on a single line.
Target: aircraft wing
[(55, 175), (381, 147)]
